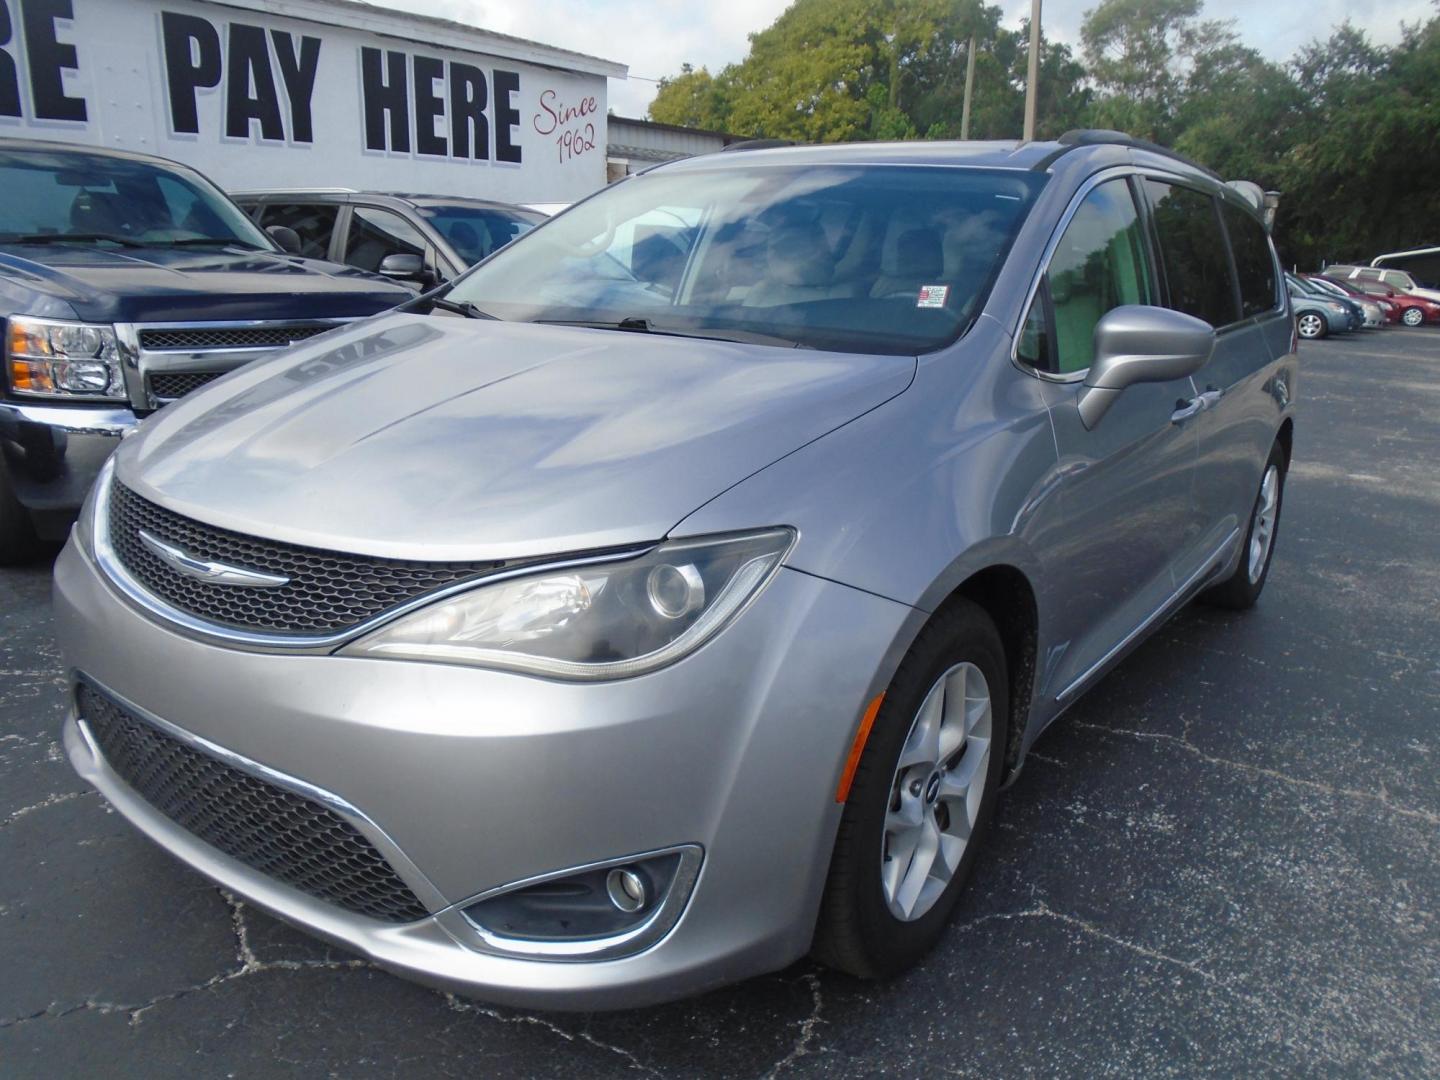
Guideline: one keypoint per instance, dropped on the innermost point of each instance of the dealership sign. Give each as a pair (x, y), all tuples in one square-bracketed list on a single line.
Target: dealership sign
[(332, 93)]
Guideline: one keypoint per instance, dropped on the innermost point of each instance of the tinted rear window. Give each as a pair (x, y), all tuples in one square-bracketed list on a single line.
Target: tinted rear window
[(1253, 265), (1192, 252)]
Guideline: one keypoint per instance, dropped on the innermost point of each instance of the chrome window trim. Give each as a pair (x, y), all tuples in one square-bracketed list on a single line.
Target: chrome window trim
[(406, 870), (315, 644), (612, 947), (1114, 172), (1090, 184)]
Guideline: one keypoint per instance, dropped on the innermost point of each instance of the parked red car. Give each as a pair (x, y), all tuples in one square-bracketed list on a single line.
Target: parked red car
[(1387, 305), (1414, 310)]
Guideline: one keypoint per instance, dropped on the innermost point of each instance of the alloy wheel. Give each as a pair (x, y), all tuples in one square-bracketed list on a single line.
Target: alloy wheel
[(1262, 526), (937, 791), (1311, 325), (1412, 316)]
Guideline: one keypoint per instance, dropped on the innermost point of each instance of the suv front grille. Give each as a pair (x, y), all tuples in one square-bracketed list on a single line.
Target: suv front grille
[(205, 339), (328, 591), (277, 832), (169, 385)]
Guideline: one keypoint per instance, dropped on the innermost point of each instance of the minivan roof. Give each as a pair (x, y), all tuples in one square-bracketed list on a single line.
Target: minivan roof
[(1095, 148)]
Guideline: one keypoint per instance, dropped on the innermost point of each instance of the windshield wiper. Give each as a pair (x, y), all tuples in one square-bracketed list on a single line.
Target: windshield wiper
[(68, 238), (637, 324), (197, 241), (460, 307)]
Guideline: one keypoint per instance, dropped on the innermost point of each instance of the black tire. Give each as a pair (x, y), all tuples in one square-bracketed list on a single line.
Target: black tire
[(1238, 591), (1412, 316), (856, 932), (18, 541)]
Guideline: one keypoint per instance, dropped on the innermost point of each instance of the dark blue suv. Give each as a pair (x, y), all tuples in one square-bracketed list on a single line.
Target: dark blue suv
[(127, 281)]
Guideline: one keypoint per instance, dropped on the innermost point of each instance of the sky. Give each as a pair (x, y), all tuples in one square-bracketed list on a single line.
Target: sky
[(654, 37)]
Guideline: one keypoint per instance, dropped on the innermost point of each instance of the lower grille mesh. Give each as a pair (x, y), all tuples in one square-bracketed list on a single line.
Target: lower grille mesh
[(282, 834)]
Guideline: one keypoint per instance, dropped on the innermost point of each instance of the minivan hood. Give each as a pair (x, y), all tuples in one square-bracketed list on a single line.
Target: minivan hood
[(443, 438), (196, 284)]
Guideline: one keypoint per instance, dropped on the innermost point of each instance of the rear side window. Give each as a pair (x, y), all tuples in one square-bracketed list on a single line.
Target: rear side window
[(1192, 252), (1253, 265), (376, 234), (314, 223), (1099, 264)]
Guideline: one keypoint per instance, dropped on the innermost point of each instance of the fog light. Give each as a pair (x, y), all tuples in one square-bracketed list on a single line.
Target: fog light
[(608, 909), (626, 889)]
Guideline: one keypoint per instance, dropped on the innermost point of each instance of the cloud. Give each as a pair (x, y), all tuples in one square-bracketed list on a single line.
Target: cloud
[(654, 37), (1278, 31)]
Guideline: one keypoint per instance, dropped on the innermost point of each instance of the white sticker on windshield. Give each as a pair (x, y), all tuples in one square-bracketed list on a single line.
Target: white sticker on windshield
[(932, 295)]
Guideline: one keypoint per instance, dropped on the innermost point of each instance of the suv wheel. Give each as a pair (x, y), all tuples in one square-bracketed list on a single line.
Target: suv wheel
[(1412, 316), (1310, 325), (18, 542), (921, 800)]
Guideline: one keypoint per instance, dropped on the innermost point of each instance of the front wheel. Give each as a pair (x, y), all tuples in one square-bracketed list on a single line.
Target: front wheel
[(18, 542), (921, 801), (1310, 325), (1242, 588), (1412, 316)]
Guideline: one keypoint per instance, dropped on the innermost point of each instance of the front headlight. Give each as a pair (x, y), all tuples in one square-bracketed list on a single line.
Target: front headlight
[(596, 621), (51, 358)]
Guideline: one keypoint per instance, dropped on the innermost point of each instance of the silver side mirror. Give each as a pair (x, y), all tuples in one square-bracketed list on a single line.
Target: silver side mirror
[(1135, 344)]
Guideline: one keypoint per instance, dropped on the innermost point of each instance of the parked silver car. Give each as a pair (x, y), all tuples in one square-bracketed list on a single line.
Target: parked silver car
[(672, 595)]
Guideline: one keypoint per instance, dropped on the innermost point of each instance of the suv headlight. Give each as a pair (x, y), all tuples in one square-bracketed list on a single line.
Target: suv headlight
[(595, 621), (51, 358)]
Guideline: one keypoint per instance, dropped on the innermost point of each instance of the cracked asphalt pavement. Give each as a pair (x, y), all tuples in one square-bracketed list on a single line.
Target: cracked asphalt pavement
[(1224, 861)]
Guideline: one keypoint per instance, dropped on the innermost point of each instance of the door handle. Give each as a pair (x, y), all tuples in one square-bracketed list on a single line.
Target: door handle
[(1184, 410)]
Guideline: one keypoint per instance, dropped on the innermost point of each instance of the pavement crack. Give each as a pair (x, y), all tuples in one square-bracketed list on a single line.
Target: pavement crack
[(809, 1028), (1382, 797), (1041, 910), (45, 803), (247, 962), (460, 1005)]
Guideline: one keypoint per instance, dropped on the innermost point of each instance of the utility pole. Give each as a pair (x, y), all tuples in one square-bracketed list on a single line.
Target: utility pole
[(1032, 82), (969, 89)]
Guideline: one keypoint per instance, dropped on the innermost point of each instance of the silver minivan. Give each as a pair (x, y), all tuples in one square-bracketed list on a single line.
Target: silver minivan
[(672, 595)]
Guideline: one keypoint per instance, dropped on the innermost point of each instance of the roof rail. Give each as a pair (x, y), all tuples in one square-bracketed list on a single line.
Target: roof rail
[(299, 191), (1104, 137), (756, 144)]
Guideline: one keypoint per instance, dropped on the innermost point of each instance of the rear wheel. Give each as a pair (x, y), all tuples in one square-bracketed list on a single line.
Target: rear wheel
[(1412, 316), (921, 801), (1310, 325), (1243, 587), (18, 541)]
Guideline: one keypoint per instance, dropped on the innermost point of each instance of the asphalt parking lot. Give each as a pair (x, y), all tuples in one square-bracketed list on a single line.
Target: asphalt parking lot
[(1224, 861)]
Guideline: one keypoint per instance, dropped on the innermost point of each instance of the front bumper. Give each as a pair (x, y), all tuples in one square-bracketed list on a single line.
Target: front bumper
[(477, 779), (54, 451)]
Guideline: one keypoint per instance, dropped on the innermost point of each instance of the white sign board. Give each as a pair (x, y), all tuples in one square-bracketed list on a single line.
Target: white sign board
[(329, 94)]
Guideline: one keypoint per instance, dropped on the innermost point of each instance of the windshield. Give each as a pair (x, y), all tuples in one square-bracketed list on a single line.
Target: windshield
[(884, 259), (477, 232), (97, 199)]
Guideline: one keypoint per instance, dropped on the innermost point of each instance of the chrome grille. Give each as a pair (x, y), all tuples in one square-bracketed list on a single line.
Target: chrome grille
[(328, 591), (277, 832), (169, 385), (202, 338)]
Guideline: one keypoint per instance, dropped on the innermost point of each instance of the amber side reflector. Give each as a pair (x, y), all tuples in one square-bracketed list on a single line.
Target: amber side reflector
[(862, 734)]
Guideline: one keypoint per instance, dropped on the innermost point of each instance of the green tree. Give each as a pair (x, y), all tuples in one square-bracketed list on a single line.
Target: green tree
[(1139, 53), (691, 99)]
